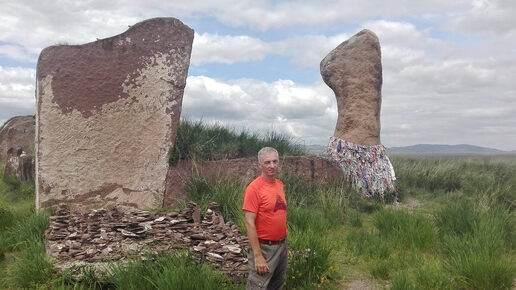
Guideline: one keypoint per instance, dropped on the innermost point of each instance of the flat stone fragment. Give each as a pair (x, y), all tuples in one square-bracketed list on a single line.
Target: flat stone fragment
[(107, 114), (124, 240)]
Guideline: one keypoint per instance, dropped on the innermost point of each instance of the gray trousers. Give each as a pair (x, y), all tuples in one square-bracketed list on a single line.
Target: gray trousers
[(277, 260)]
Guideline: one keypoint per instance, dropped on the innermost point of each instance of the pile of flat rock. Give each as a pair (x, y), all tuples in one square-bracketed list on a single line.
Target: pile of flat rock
[(107, 235)]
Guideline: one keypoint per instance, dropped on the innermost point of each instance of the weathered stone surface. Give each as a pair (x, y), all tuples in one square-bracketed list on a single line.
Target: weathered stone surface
[(353, 70), (19, 164), (309, 167), (17, 132), (107, 114), (109, 235)]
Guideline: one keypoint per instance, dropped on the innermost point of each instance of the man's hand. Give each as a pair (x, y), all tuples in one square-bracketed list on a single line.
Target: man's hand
[(260, 265)]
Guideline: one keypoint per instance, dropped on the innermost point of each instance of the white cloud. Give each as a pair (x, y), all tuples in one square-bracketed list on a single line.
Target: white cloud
[(16, 92), (256, 105), (438, 87), (227, 49), (491, 18), (17, 53), (265, 15), (303, 51)]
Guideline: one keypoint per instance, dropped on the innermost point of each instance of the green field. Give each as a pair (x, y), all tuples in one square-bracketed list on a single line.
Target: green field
[(454, 228)]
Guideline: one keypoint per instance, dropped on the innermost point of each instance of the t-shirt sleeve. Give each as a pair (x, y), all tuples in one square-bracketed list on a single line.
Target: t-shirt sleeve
[(251, 202)]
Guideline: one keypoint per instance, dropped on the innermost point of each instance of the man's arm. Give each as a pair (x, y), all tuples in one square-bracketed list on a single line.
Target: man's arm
[(260, 265)]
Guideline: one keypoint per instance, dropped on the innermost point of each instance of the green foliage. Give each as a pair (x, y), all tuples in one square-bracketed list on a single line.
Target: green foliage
[(431, 174), (402, 282), (200, 141), (175, 270), (479, 255), (489, 180), (6, 218), (369, 245), (431, 276), (302, 219), (309, 263), (355, 218), (456, 218), (463, 238), (21, 237), (407, 230), (228, 193), (27, 230), (381, 270), (31, 266)]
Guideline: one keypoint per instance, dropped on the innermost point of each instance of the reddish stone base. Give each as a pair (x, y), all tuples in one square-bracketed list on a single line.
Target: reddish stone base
[(246, 169)]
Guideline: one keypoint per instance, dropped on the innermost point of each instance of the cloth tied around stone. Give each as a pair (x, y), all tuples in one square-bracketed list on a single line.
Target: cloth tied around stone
[(368, 168)]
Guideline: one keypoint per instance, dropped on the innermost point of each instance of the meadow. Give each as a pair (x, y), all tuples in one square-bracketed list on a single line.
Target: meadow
[(454, 226)]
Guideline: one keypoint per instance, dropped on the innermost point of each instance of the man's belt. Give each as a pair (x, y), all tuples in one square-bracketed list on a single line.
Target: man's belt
[(268, 242)]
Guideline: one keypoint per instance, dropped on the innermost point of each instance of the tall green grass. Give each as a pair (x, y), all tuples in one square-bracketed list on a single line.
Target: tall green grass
[(198, 140), (490, 180), (228, 193), (406, 230), (474, 244), (31, 266), (172, 271), (463, 239), (22, 237)]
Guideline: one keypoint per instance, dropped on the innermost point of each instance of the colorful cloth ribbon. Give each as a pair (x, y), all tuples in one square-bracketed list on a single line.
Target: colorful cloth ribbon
[(368, 168)]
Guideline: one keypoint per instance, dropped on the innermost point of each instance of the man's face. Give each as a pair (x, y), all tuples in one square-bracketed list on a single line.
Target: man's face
[(269, 165)]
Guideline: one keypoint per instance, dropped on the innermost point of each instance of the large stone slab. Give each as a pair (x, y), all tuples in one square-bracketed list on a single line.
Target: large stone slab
[(353, 70), (107, 114)]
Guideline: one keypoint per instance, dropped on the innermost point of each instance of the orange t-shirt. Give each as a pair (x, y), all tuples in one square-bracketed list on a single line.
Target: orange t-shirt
[(267, 200)]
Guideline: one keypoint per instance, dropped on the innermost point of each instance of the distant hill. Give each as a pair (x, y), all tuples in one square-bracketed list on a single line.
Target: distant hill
[(438, 149), (429, 149)]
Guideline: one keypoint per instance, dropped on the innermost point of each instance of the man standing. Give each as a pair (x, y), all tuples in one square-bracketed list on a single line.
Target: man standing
[(265, 209)]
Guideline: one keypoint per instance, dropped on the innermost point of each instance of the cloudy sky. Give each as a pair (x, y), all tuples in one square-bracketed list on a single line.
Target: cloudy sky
[(449, 67)]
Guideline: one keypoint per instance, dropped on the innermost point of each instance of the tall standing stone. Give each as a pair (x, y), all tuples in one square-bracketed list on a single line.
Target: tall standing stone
[(353, 70), (107, 114)]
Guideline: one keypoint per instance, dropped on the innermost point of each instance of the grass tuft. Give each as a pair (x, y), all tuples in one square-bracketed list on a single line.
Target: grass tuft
[(407, 230), (199, 141), (31, 266), (175, 270)]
